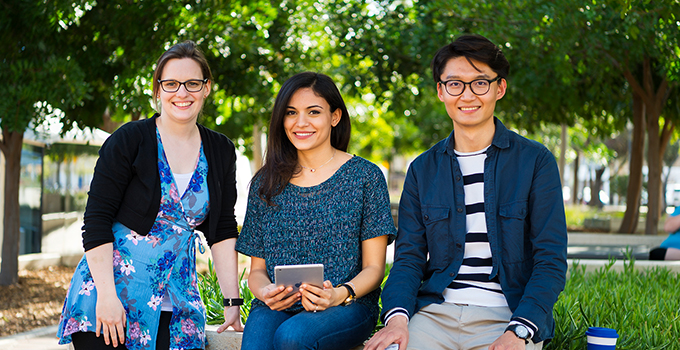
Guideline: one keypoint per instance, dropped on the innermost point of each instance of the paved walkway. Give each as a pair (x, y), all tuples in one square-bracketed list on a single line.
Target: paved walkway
[(37, 339)]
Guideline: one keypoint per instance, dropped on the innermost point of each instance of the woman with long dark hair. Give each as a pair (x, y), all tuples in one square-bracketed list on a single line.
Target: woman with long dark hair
[(313, 203)]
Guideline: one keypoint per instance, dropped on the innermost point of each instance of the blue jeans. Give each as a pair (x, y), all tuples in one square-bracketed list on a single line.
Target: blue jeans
[(338, 328)]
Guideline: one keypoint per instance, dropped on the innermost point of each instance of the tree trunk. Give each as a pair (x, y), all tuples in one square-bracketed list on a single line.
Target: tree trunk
[(11, 148), (257, 146), (108, 124), (574, 190), (664, 189), (654, 164), (632, 214), (596, 186), (654, 98)]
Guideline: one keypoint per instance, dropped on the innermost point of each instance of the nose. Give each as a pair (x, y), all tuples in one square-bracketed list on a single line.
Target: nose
[(467, 93), (302, 120), (182, 90)]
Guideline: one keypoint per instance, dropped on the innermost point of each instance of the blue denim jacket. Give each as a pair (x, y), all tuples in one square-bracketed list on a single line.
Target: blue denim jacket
[(524, 217)]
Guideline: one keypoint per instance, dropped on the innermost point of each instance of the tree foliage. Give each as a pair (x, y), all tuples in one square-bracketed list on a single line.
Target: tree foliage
[(594, 65)]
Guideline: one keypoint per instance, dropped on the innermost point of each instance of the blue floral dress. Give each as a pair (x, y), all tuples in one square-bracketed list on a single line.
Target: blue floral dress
[(146, 267)]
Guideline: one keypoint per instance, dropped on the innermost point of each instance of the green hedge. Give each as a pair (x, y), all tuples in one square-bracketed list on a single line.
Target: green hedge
[(643, 306)]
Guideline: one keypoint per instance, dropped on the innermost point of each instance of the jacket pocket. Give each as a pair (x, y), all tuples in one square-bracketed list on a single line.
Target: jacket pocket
[(437, 225), (512, 225)]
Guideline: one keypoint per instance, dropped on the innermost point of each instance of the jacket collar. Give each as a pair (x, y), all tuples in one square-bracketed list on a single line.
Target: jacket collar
[(501, 139)]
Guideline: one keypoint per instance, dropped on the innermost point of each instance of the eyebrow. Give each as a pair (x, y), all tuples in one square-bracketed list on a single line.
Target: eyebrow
[(457, 77), (308, 107)]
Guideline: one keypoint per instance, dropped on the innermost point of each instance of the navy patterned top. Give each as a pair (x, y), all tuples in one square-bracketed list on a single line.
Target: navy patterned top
[(321, 224)]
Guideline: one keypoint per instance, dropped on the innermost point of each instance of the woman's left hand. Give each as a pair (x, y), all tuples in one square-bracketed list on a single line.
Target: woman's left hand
[(318, 299), (232, 317)]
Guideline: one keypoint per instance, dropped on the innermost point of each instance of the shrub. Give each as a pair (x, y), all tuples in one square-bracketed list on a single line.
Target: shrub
[(211, 294)]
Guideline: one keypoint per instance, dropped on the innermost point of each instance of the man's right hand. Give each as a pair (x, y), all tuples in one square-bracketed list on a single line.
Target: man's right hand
[(396, 332), (111, 320)]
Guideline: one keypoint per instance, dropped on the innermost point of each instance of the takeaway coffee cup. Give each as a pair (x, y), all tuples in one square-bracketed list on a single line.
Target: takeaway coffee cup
[(600, 338)]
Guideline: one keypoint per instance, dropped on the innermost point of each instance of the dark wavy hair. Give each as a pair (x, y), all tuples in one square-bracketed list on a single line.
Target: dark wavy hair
[(281, 161), (185, 49), (472, 47)]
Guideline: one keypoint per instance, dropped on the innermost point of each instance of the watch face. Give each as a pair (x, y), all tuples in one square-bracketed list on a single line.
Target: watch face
[(521, 331)]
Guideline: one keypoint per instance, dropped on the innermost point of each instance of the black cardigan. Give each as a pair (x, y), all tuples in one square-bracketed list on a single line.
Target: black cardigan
[(126, 184)]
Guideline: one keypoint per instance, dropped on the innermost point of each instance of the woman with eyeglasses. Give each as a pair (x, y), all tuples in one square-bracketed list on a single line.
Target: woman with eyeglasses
[(157, 182), (314, 203)]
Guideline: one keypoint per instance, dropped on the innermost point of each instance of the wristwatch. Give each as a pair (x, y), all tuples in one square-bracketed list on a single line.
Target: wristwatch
[(227, 302), (520, 331), (352, 295)]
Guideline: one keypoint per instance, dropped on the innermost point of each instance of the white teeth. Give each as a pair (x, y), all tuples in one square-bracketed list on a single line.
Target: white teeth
[(468, 108), (182, 104), (304, 133)]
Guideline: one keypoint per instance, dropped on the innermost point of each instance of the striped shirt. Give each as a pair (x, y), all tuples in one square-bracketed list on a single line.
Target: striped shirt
[(472, 284)]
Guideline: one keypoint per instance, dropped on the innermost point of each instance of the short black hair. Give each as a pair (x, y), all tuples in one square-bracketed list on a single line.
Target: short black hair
[(472, 47)]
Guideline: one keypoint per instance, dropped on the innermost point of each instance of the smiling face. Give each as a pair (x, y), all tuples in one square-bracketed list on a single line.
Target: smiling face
[(309, 120), (469, 111), (182, 106)]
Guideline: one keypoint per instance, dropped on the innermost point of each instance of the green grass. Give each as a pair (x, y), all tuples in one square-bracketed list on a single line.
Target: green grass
[(577, 214), (643, 306)]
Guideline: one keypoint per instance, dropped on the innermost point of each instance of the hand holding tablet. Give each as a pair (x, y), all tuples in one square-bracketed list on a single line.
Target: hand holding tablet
[(296, 275)]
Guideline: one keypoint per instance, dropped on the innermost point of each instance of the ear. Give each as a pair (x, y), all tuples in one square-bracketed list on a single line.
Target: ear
[(335, 117), (500, 91), (440, 92), (208, 86)]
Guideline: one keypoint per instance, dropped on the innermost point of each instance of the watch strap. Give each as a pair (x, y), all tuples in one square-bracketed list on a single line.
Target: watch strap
[(227, 302), (513, 328), (350, 289), (352, 295)]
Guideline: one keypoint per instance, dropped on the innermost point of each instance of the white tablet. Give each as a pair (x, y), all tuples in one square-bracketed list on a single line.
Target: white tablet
[(295, 275)]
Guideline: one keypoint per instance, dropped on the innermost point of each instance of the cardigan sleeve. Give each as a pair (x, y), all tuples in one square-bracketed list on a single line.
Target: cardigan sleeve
[(221, 153), (112, 175)]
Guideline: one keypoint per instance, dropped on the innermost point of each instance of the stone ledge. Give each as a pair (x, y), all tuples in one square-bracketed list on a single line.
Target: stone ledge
[(38, 261), (614, 239), (228, 340), (640, 265)]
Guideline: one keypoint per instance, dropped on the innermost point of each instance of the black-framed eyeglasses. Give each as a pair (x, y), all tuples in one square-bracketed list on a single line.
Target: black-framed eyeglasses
[(192, 85), (477, 86)]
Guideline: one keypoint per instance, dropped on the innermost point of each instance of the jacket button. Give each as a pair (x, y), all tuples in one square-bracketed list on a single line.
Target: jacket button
[(452, 274), (457, 178), (460, 210), (458, 245), (427, 217)]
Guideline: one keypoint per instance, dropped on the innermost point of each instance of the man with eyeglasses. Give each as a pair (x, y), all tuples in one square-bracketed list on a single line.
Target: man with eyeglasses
[(480, 255)]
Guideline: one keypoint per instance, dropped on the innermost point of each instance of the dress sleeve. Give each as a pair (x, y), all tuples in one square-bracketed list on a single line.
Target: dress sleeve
[(377, 216), (250, 240)]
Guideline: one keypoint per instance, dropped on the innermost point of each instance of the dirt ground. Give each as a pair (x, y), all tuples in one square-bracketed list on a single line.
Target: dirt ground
[(34, 302)]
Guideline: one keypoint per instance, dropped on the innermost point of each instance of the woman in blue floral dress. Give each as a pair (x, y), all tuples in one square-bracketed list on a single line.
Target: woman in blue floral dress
[(157, 182), (313, 203)]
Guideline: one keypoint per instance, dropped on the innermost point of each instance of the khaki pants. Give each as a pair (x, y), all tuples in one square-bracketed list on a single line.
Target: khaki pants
[(449, 326)]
